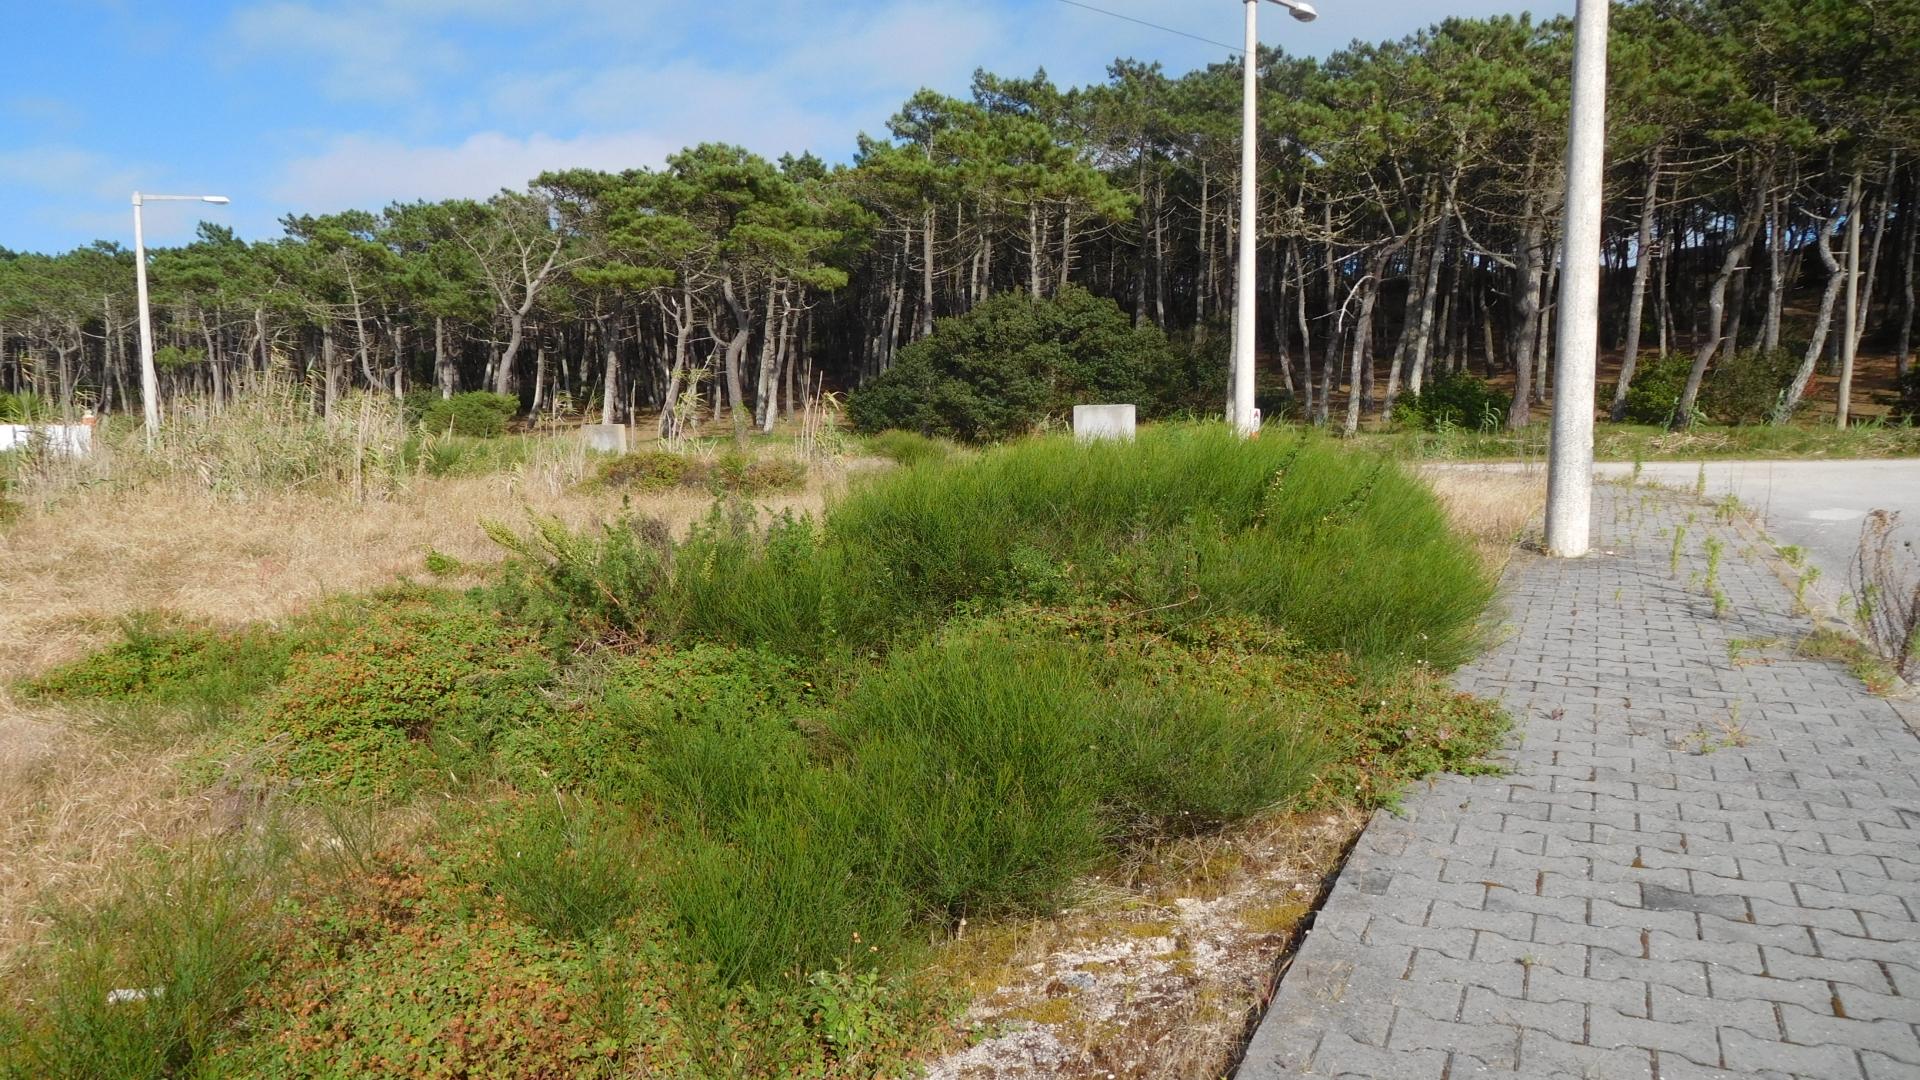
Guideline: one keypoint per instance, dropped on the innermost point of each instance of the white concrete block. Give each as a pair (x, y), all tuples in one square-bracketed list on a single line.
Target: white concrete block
[(1103, 422), (606, 438), (65, 440)]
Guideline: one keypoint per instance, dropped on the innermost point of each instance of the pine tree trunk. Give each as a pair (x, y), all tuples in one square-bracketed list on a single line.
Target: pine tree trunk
[(1430, 291), (1637, 303), (1528, 279), (1776, 276), (330, 364), (1306, 334), (1717, 307), (610, 374), (736, 353), (1034, 253), (1903, 345), (1848, 341), (1822, 240), (445, 371)]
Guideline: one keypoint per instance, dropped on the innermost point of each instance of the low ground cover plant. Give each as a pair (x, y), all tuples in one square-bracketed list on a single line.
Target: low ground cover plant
[(727, 473), (699, 807)]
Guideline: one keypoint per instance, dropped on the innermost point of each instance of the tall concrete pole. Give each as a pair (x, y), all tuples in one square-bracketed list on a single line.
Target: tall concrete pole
[(1245, 282), (1570, 467), (149, 381)]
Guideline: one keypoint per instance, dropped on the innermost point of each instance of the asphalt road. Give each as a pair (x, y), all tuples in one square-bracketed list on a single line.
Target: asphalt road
[(1817, 505)]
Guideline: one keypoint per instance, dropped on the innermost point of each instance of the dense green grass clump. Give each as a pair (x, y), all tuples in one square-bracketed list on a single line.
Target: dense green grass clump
[(909, 447), (1345, 551)]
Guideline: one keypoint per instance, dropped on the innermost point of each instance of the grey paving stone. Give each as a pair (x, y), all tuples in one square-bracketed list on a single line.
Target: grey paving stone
[(1631, 900)]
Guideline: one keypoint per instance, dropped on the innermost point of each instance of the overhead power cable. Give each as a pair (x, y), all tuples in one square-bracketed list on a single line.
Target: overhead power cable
[(1152, 25)]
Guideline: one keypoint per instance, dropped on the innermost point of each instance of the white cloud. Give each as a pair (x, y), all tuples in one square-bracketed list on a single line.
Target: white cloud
[(368, 52), (65, 170), (371, 171)]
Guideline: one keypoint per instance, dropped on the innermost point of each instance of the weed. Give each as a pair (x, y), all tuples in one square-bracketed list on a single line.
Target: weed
[(1808, 576), (1728, 508), (579, 588), (1729, 734), (163, 660), (1679, 542), (1794, 555), (1886, 577), (1866, 665), (1737, 649), (1700, 482), (441, 564)]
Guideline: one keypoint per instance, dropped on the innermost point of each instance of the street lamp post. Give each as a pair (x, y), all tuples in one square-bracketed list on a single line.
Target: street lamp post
[(149, 380), (1570, 464), (1245, 285)]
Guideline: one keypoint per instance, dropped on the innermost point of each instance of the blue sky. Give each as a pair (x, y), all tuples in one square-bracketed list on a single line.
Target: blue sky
[(318, 105)]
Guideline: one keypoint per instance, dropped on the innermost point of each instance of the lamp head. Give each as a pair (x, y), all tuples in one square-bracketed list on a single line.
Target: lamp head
[(1300, 9), (217, 200)]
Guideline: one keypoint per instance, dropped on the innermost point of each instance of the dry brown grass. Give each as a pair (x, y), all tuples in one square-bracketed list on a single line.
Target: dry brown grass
[(70, 574), (75, 799), (1493, 507), (73, 803)]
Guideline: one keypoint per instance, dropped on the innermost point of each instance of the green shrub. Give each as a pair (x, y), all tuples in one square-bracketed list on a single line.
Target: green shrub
[(568, 867), (1343, 551), (1748, 387), (1654, 394), (1012, 362), (647, 470), (908, 447), (731, 473), (978, 774), (402, 698), (475, 414), (576, 588), (976, 768), (1456, 400), (742, 474)]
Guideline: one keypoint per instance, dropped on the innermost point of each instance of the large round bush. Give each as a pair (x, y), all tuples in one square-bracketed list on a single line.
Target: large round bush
[(1008, 364)]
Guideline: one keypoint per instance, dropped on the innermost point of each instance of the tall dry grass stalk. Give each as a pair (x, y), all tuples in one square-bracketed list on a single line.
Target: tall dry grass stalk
[(266, 442)]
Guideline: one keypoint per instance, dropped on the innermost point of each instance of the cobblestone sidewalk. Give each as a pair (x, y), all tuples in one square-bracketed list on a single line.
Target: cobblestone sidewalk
[(1704, 862)]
